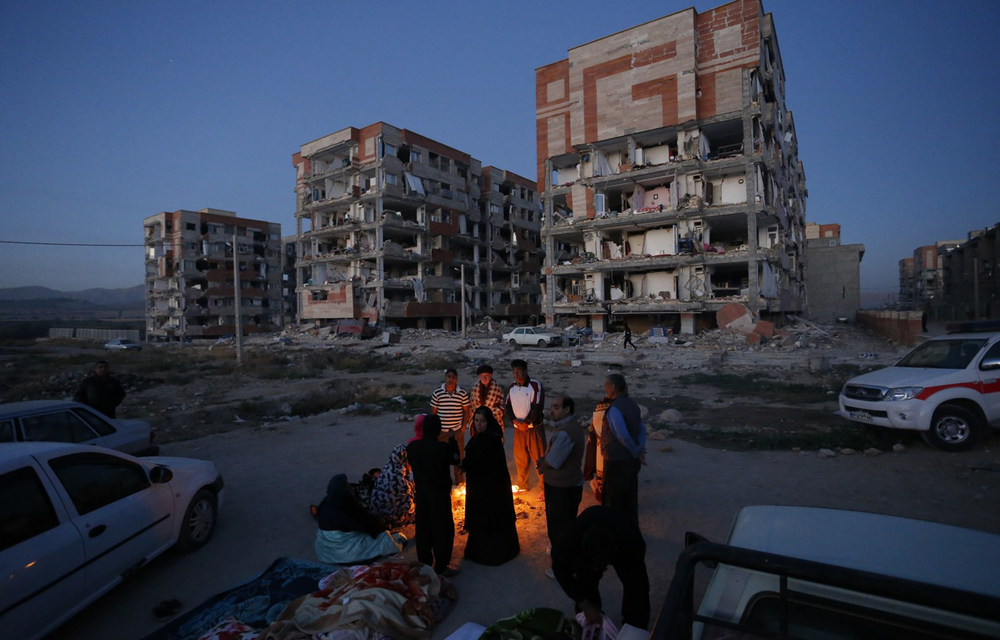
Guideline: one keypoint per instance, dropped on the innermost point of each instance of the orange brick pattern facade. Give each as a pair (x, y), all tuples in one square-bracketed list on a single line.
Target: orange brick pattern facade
[(672, 70)]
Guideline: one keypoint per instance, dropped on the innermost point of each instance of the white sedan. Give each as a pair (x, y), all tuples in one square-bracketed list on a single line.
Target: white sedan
[(61, 421), (532, 336), (122, 344), (76, 520)]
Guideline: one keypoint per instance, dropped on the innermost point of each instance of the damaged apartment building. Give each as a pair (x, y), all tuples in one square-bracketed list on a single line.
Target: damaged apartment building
[(390, 224), (672, 183), (190, 282)]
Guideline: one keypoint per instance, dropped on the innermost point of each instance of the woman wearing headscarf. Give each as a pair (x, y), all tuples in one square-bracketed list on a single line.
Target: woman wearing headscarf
[(489, 503), (348, 533), (392, 495)]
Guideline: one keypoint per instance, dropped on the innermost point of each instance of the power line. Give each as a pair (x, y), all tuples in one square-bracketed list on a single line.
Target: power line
[(69, 244)]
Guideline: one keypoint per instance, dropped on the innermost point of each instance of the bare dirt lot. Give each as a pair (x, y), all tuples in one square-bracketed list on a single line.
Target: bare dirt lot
[(294, 414)]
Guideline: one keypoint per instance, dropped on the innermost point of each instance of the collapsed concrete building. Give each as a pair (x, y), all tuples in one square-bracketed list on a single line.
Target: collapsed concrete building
[(389, 225), (672, 183), (190, 282)]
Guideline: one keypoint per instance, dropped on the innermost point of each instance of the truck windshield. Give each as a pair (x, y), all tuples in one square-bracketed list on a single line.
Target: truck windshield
[(943, 354)]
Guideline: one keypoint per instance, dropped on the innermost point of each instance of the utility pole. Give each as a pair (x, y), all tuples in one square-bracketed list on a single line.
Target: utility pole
[(464, 332), (238, 300)]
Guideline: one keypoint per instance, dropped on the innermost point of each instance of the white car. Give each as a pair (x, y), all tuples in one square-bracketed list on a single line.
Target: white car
[(122, 344), (77, 520), (947, 388), (60, 421), (834, 574), (532, 336)]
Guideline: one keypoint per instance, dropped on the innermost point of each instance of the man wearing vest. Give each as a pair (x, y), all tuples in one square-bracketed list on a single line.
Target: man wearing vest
[(525, 401), (623, 443), (562, 467)]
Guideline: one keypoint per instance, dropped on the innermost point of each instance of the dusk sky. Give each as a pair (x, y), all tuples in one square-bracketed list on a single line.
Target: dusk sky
[(115, 111)]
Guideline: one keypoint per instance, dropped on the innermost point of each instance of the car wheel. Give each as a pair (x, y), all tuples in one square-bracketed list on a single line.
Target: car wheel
[(952, 429), (541, 343), (512, 342), (199, 521)]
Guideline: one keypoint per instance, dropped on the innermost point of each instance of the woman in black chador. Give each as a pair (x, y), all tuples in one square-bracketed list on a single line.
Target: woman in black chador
[(489, 503)]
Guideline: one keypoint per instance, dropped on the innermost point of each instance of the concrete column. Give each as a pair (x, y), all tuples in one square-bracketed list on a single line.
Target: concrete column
[(687, 323), (549, 301), (597, 323), (752, 276), (380, 261)]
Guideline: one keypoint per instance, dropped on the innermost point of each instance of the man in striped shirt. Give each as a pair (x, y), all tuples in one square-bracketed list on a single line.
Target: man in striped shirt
[(525, 400), (451, 404)]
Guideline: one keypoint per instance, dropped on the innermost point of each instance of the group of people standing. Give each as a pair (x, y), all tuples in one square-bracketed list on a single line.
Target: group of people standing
[(464, 435), (581, 546)]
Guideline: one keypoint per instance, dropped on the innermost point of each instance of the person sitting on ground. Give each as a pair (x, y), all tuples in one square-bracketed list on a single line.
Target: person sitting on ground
[(349, 534), (392, 495), (418, 429), (363, 490), (489, 503)]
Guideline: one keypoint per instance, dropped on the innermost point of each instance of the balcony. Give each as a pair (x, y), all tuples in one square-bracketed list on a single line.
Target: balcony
[(442, 255)]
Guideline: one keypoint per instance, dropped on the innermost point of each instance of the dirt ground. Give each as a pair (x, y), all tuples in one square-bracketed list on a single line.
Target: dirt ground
[(295, 414)]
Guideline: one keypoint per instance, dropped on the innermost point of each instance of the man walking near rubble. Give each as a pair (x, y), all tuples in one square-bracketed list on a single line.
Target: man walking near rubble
[(450, 402), (525, 400), (100, 390), (623, 443), (628, 339), (488, 393)]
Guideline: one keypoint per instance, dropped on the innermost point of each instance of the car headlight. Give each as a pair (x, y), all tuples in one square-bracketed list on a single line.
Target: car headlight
[(902, 393)]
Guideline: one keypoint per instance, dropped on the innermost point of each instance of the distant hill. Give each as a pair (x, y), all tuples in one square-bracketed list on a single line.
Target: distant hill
[(116, 298)]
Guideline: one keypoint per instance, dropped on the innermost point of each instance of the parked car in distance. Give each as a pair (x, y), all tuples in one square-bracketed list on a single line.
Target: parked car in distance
[(122, 344), (532, 336), (62, 421), (77, 520), (803, 572), (947, 388)]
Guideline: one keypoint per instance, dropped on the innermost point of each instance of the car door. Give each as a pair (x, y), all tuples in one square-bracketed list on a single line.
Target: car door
[(519, 335), (41, 554), (123, 518), (7, 431), (111, 436), (988, 370), (58, 426)]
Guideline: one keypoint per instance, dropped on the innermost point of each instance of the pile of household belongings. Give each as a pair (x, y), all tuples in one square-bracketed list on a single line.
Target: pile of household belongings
[(394, 599)]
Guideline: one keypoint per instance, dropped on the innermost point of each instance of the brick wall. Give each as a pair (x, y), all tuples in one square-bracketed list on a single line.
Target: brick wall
[(899, 326)]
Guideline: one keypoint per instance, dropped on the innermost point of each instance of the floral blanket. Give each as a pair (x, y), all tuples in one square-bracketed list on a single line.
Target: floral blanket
[(392, 598)]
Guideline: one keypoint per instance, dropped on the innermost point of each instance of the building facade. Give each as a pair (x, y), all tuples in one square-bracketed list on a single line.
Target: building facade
[(907, 284), (190, 281), (390, 224), (970, 280), (672, 183), (833, 274)]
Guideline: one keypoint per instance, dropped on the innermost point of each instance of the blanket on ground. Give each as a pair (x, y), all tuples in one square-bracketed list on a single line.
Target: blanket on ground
[(393, 598), (256, 603)]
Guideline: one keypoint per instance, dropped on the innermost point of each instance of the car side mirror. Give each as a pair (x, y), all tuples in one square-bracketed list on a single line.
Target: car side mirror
[(159, 475), (989, 364)]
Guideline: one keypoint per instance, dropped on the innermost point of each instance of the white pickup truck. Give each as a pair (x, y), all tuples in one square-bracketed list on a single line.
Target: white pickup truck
[(947, 388)]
